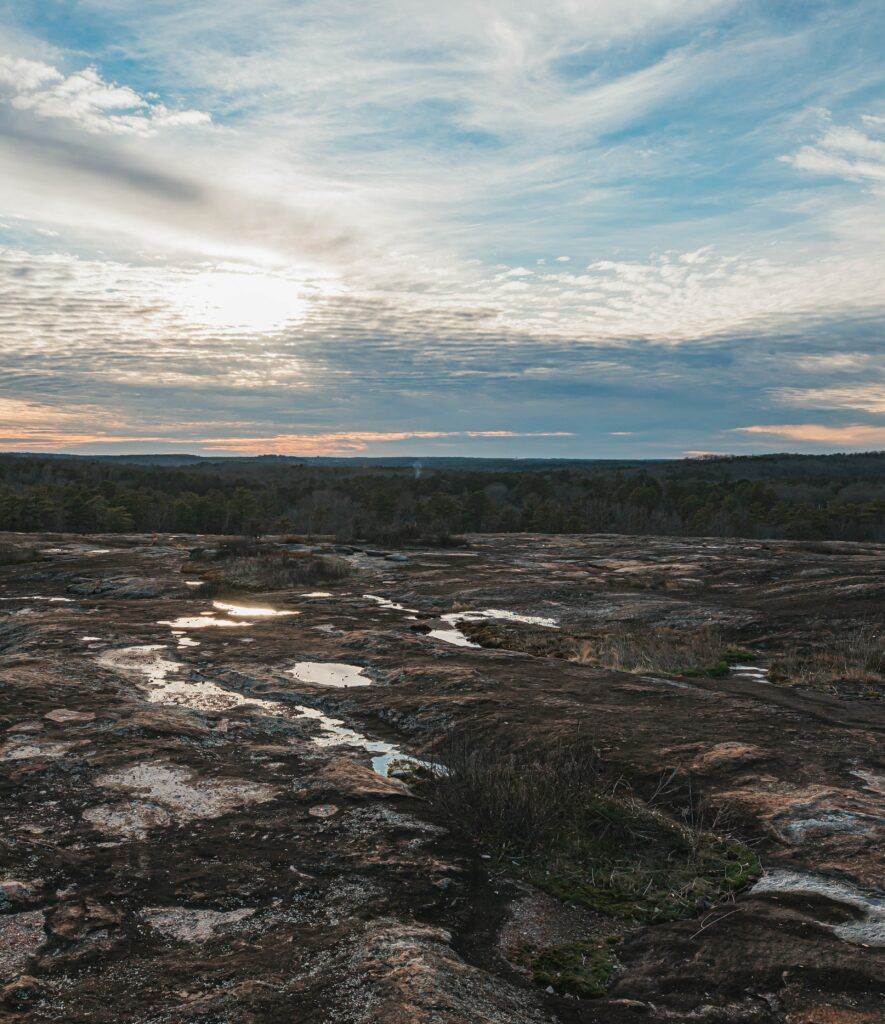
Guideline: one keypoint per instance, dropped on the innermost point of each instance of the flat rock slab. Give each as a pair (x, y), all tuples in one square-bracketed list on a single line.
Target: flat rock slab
[(182, 792), (65, 716), (194, 924), (132, 819), (356, 781)]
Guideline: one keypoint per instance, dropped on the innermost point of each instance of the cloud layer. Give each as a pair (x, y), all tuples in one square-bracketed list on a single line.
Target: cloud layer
[(641, 228)]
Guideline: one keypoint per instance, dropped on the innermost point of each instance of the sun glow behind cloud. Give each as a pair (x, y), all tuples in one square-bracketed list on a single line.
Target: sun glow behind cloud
[(238, 301)]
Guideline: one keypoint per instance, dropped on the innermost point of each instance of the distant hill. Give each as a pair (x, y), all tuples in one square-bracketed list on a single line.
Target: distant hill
[(746, 467)]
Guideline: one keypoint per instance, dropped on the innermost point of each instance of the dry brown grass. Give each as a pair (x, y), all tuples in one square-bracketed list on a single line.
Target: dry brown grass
[(641, 648), (856, 656)]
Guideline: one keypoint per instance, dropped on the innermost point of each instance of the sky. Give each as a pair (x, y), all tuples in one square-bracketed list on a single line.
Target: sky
[(576, 228)]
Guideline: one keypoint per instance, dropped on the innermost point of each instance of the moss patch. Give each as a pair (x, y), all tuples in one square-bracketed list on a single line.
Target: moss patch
[(582, 968)]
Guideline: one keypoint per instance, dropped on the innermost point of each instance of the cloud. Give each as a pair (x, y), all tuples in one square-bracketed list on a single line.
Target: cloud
[(85, 99), (342, 442), (27, 425), (854, 435), (836, 362), (863, 397), (845, 152), (349, 239)]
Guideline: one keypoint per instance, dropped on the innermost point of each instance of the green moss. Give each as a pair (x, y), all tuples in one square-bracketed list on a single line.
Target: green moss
[(655, 885), (733, 654), (716, 670), (581, 968)]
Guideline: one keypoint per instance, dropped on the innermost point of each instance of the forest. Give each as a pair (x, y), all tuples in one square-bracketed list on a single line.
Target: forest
[(833, 497)]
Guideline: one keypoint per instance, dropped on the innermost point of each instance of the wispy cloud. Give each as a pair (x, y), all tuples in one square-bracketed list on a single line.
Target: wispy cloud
[(26, 425), (851, 436), (846, 152), (863, 397)]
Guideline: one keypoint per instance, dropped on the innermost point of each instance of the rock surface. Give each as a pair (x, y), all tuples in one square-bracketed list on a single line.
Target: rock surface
[(163, 855)]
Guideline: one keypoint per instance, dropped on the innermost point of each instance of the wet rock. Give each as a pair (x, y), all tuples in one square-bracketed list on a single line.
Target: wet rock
[(21, 936), (65, 716)]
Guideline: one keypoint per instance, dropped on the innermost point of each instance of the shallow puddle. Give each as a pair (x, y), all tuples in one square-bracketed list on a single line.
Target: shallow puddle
[(203, 621), (453, 635), (384, 602), (250, 611), (168, 688), (335, 733), (330, 673), (754, 672), (869, 930)]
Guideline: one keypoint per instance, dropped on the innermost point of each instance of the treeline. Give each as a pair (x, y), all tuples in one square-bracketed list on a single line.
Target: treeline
[(398, 504)]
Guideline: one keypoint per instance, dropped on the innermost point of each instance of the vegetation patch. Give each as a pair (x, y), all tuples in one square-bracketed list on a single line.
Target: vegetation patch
[(17, 554), (270, 570), (583, 969), (848, 664), (539, 641), (625, 648), (664, 651), (552, 818)]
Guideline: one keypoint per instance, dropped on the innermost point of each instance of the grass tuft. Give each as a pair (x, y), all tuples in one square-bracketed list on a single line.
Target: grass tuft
[(552, 818), (853, 662)]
